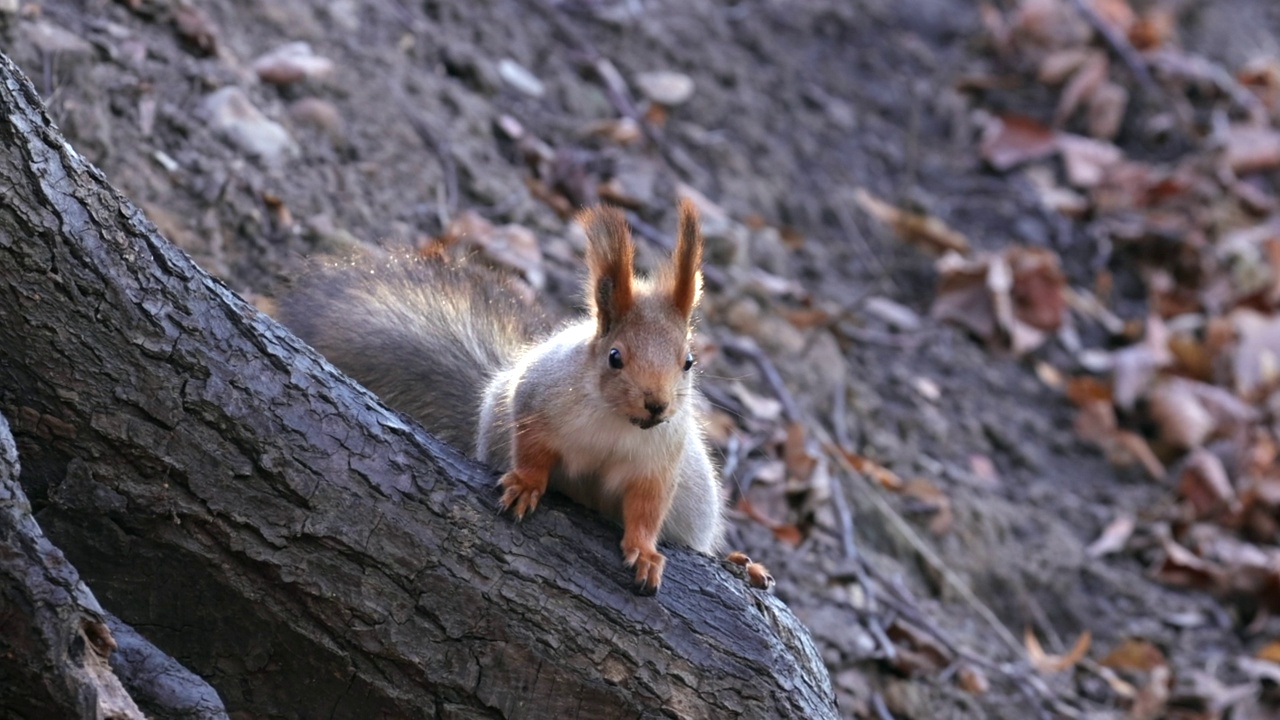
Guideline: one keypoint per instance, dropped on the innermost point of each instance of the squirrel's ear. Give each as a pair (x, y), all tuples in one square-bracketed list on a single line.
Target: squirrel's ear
[(610, 256), (687, 261)]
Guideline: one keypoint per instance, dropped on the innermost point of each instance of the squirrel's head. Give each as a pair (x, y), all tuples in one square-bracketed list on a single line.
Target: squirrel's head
[(643, 343)]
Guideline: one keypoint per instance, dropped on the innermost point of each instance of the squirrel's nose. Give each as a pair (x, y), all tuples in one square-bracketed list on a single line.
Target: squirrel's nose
[(655, 408)]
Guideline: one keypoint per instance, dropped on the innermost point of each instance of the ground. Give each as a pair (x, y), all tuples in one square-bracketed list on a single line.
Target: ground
[(425, 116)]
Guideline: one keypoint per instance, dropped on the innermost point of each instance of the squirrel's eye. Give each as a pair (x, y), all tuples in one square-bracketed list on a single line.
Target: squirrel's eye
[(615, 359), (688, 362)]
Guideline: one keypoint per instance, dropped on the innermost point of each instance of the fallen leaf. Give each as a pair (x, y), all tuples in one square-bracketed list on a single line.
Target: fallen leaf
[(923, 230), (1047, 664), (1087, 161), (1183, 420), (972, 680), (1250, 148), (1204, 484), (1011, 140), (1269, 652), (1038, 287), (196, 28), (785, 532), (1255, 360), (1134, 367), (881, 475), (796, 454), (1113, 537), (932, 500), (919, 650), (1134, 654), (1106, 110), (760, 407), (1086, 80)]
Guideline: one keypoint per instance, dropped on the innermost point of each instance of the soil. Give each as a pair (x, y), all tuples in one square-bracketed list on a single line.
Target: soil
[(797, 103)]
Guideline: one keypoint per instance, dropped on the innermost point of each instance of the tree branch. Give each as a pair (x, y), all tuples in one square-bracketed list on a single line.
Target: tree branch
[(294, 542)]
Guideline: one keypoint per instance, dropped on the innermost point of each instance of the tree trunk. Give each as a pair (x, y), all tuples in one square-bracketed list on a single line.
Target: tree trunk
[(306, 550)]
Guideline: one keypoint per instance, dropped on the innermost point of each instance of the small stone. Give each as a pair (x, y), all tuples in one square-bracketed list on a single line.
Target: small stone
[(319, 114), (896, 315), (55, 39), (665, 87), (519, 78), (230, 112), (291, 63)]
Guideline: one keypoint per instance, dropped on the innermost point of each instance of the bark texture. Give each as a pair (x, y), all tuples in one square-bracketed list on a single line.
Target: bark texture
[(298, 545), (54, 640)]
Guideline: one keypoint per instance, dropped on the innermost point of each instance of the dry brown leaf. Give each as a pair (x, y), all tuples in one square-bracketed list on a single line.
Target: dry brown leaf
[(785, 532), (761, 408), (1261, 76), (1038, 287), (1107, 106), (1081, 87), (1059, 65), (1134, 367), (1134, 654), (1046, 664), (1251, 148), (1011, 140), (881, 475), (513, 246), (796, 454), (1084, 389), (934, 500), (964, 298), (1183, 420), (1153, 698), (925, 231), (1113, 537), (1116, 13), (1181, 567), (1088, 161), (1269, 652), (972, 680), (921, 651), (1255, 360), (1205, 485), (1154, 29), (1132, 447)]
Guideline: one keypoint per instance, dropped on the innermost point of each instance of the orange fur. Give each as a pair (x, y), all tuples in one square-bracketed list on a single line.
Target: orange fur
[(686, 261), (526, 482), (644, 504), (610, 258)]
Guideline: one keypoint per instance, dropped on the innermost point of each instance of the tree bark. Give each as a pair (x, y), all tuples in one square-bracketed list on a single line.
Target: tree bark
[(306, 550), (54, 640)]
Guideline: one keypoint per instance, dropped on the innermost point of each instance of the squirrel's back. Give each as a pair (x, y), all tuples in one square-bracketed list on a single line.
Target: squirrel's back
[(423, 333)]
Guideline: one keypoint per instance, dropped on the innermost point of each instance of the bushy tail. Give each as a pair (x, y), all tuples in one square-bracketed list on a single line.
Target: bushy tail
[(424, 334)]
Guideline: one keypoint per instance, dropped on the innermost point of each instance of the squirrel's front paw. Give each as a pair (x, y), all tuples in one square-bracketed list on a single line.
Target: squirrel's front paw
[(648, 563), (520, 494)]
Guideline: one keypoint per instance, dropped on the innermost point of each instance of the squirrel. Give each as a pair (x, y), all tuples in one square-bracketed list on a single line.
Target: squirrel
[(603, 410)]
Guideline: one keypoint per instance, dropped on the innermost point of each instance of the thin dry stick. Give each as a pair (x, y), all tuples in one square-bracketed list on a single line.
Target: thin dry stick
[(1121, 46), (920, 546), (748, 348)]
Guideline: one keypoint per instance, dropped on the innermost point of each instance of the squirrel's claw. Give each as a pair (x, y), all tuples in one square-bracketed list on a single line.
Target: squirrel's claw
[(519, 496), (648, 564)]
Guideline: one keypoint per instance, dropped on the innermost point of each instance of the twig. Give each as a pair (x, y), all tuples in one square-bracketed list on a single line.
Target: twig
[(1121, 46), (747, 347), (920, 546), (439, 146), (615, 88)]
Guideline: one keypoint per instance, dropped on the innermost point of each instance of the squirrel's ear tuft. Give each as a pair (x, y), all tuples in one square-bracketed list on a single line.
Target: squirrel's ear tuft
[(610, 256), (686, 261)]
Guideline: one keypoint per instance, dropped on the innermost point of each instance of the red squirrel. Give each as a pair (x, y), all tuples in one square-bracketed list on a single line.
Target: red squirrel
[(603, 410)]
